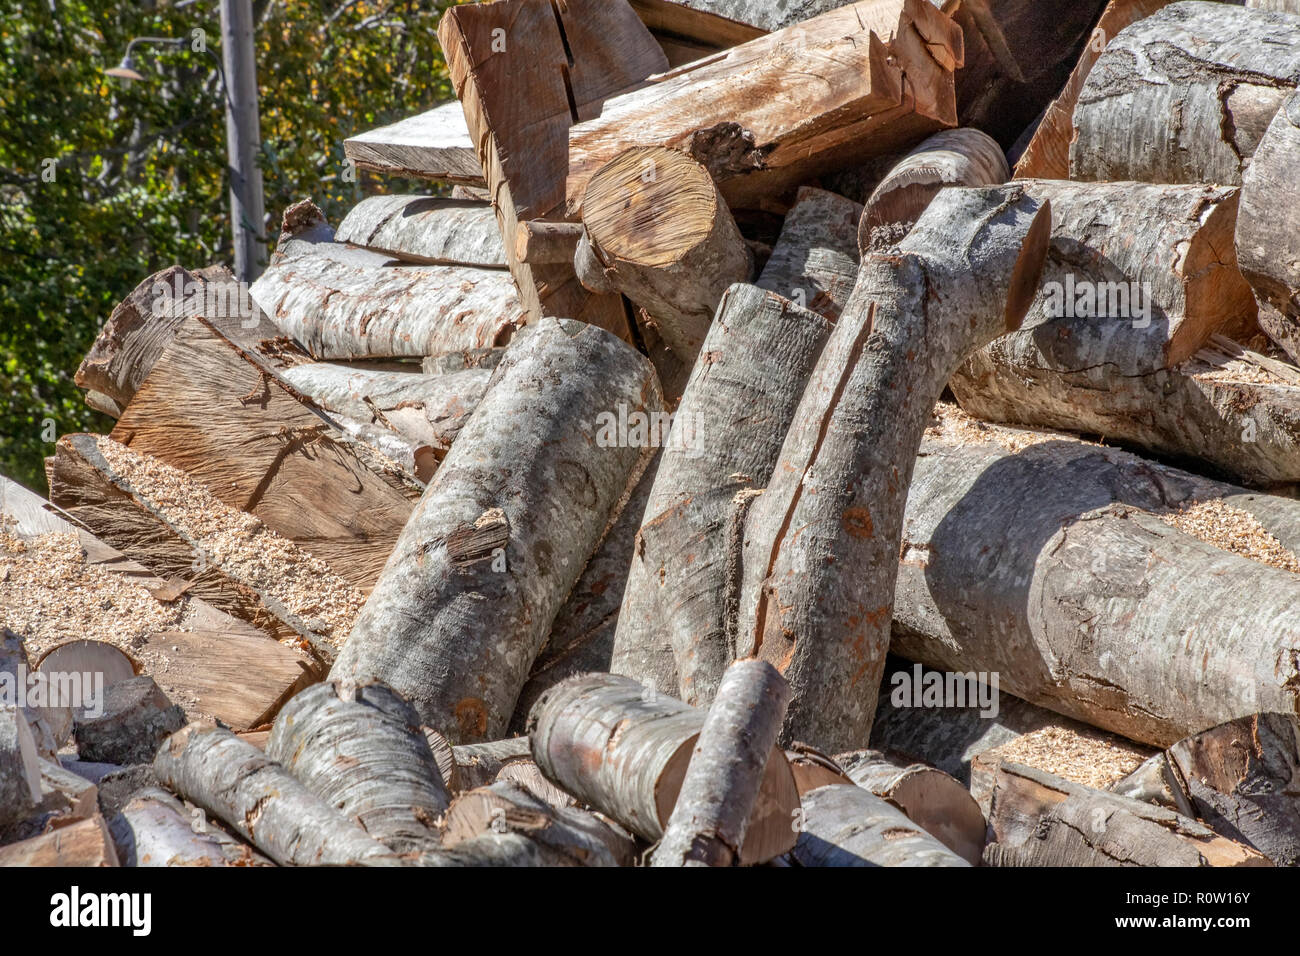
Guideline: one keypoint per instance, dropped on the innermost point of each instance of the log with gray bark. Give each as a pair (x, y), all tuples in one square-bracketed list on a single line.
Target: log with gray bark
[(361, 750), (477, 765), (844, 825), (156, 829), (815, 261), (821, 544), (136, 716), (503, 531), (426, 230)]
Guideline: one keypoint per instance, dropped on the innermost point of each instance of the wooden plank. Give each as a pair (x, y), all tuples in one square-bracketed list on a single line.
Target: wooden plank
[(426, 230), (431, 145)]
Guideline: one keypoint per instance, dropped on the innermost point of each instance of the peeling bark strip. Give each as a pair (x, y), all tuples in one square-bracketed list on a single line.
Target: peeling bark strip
[(155, 829), (1243, 778), (1185, 95), (815, 261), (503, 532), (676, 629), (1039, 819), (821, 544), (955, 157), (425, 230), (261, 801), (846, 69), (623, 749), (20, 772), (1048, 567), (361, 750), (708, 823), (1268, 241), (662, 235), (432, 145), (845, 825)]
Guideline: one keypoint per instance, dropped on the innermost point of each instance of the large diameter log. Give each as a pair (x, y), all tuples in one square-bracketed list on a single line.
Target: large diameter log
[(431, 145), (844, 825), (20, 773), (501, 536), (955, 157), (361, 750), (708, 822), (623, 749), (1185, 95), (821, 544), (1268, 242), (815, 261), (155, 829), (136, 717), (261, 801), (426, 231), (663, 236), (1038, 819)]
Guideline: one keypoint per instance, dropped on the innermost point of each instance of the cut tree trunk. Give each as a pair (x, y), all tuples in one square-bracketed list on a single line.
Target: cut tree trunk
[(821, 544), (1184, 95), (155, 829), (83, 844), (659, 232), (1041, 820), (432, 145), (20, 771), (136, 718), (708, 823), (845, 825), (361, 750), (427, 231), (815, 261), (237, 783), (623, 749), (504, 530)]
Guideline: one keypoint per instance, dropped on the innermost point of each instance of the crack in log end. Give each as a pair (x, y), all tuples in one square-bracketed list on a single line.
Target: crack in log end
[(726, 150), (471, 718)]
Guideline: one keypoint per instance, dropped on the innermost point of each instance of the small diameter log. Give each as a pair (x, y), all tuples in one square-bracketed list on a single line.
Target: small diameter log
[(503, 531), (526, 774), (136, 717), (954, 157), (815, 261), (1243, 778), (623, 749), (261, 801), (844, 825), (156, 829), (426, 231), (661, 233), (361, 750), (932, 800), (1038, 819), (1268, 237), (708, 822), (821, 544), (547, 243), (20, 770), (1184, 95)]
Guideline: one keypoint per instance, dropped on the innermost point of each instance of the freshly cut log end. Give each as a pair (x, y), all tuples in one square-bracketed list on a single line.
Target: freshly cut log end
[(137, 716), (844, 825)]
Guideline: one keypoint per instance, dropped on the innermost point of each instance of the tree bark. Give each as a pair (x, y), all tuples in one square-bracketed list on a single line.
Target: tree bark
[(1154, 783), (431, 145), (504, 530), (155, 829), (547, 243), (845, 825), (83, 844), (708, 823), (815, 261), (821, 544), (426, 231), (20, 773), (137, 717)]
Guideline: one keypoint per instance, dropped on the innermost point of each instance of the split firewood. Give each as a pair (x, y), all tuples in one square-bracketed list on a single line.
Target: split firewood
[(261, 801), (85, 843), (66, 798), (49, 723), (932, 800), (547, 243), (955, 157), (1038, 819), (20, 770), (478, 765), (1267, 247), (815, 261), (432, 145), (657, 230), (844, 68), (1185, 95), (1243, 779), (725, 775), (821, 544), (845, 825), (1154, 782), (156, 829), (426, 231), (391, 784), (504, 530), (623, 749), (136, 718)]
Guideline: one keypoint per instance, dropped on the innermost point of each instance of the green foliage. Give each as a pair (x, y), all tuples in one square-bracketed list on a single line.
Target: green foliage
[(105, 181)]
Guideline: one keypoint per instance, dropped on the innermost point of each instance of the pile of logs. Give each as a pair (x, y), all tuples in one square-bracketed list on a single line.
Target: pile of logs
[(816, 434)]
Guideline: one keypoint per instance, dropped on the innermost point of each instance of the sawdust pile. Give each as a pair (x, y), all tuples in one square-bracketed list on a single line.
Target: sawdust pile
[(1231, 529)]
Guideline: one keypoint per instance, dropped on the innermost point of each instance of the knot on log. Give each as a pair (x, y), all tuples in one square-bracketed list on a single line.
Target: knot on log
[(727, 149)]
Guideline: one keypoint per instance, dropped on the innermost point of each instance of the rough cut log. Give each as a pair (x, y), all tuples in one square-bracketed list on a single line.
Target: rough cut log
[(1154, 782), (1185, 95), (361, 750), (708, 823), (1268, 242), (82, 844), (955, 157), (156, 829), (842, 97), (658, 231), (681, 589), (426, 231), (821, 544), (504, 530), (20, 771), (623, 748), (49, 724), (1243, 778), (547, 243), (136, 718), (726, 22), (448, 363), (1052, 567), (1038, 819), (844, 825), (431, 145), (261, 801), (1047, 155), (815, 261), (932, 800)]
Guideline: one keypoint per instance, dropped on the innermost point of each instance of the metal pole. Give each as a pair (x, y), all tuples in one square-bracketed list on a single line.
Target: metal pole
[(243, 139)]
